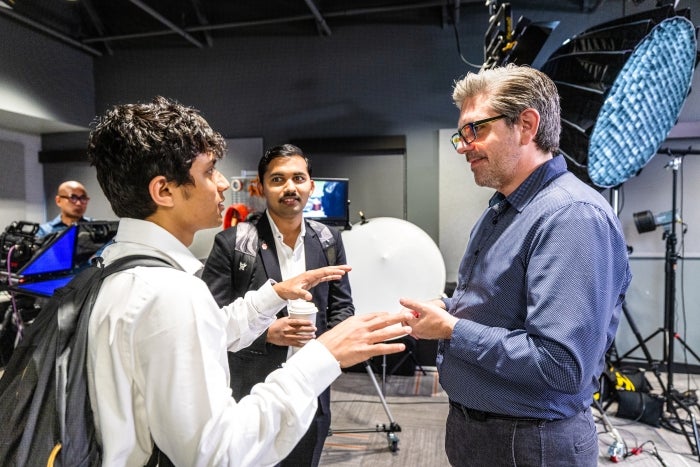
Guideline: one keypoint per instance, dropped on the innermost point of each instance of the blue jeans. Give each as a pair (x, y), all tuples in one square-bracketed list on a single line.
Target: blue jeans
[(533, 443)]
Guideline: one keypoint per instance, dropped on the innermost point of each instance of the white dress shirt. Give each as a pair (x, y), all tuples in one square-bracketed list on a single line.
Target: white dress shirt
[(292, 260), (158, 371)]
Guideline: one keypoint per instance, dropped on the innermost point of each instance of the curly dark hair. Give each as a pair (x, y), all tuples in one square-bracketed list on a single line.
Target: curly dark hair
[(133, 143), (284, 150)]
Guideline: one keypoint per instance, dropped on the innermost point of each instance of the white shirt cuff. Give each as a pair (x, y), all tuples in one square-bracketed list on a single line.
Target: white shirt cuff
[(317, 364)]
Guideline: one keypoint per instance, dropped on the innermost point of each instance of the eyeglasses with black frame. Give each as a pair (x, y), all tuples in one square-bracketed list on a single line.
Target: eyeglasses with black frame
[(75, 199), (467, 133)]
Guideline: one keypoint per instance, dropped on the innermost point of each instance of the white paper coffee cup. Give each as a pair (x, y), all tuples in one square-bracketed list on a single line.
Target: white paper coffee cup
[(301, 309)]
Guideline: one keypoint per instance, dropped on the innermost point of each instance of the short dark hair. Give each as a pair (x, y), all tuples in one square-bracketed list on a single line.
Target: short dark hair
[(133, 143), (284, 150)]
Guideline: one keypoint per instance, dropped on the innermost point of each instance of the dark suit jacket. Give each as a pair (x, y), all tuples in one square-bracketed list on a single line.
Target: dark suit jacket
[(333, 300)]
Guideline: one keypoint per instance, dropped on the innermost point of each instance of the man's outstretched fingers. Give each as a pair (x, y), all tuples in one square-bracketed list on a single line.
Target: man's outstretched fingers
[(388, 348)]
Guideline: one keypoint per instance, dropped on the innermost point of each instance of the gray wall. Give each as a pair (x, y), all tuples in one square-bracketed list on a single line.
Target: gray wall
[(43, 79)]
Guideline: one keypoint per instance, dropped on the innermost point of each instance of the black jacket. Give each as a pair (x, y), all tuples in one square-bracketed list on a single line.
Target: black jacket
[(333, 299)]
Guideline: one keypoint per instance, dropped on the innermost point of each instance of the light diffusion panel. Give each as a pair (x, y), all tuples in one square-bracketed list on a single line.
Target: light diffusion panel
[(622, 85), (392, 258)]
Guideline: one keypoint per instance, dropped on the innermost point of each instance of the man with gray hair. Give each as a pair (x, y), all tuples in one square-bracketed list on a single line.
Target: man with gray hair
[(540, 287)]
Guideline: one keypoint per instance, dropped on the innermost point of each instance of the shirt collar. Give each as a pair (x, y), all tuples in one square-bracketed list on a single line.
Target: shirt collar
[(498, 202), (532, 185), (276, 232), (153, 237), (58, 220)]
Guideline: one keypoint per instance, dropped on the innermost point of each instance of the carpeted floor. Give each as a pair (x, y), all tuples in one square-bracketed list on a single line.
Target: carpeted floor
[(408, 431), (364, 435), (400, 422)]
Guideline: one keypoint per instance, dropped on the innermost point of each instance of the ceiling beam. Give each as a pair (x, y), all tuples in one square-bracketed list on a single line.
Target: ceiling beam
[(319, 18), (50, 31), (167, 22), (203, 21), (97, 22), (281, 20)]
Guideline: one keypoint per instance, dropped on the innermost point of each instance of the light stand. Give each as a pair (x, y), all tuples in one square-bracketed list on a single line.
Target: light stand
[(641, 342), (673, 400), (385, 267), (392, 428)]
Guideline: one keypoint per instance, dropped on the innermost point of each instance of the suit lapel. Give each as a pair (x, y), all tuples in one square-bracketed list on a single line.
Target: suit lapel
[(268, 250)]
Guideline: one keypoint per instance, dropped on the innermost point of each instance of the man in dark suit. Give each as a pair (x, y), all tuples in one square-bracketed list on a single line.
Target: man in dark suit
[(286, 246)]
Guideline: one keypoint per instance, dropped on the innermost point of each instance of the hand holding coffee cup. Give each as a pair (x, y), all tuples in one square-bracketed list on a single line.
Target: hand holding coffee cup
[(301, 309)]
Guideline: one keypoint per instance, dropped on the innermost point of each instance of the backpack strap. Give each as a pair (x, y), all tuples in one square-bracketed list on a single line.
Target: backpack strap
[(64, 345), (245, 250), (325, 236), (246, 238), (131, 261), (158, 458)]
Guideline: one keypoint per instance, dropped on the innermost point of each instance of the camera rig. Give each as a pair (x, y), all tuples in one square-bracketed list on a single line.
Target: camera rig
[(18, 244)]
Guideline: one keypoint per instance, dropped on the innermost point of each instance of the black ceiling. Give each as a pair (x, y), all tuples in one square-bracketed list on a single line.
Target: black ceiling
[(107, 26)]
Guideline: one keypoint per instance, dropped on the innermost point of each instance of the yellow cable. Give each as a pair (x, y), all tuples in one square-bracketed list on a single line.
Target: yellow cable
[(53, 455)]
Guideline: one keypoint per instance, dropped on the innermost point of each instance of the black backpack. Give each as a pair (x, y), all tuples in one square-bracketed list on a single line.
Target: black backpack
[(44, 403)]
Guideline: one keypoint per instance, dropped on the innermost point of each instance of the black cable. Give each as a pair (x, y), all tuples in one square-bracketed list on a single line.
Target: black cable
[(621, 197), (459, 47), (639, 449)]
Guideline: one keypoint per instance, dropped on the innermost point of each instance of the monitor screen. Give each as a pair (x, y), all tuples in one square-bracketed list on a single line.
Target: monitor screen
[(329, 202), (43, 288), (54, 257)]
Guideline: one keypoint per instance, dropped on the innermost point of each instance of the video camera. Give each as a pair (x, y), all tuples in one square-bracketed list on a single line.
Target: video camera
[(18, 243), (37, 266)]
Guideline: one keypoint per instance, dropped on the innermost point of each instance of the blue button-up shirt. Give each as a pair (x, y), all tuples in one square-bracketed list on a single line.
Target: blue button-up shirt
[(56, 225), (539, 295)]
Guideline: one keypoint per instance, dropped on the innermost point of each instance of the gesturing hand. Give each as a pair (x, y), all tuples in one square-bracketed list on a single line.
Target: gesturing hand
[(362, 337), (429, 320), (299, 286)]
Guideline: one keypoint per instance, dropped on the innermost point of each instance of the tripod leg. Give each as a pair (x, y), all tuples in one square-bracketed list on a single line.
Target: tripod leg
[(686, 346), (675, 402), (368, 367), (641, 344), (398, 364), (393, 427), (417, 364), (391, 437)]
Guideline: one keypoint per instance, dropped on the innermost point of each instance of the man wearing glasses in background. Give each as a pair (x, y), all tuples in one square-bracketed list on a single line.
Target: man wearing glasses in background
[(72, 200)]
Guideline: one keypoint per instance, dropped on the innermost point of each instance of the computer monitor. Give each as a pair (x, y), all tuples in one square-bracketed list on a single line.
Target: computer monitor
[(43, 288), (54, 257), (61, 257), (329, 203), (50, 268)]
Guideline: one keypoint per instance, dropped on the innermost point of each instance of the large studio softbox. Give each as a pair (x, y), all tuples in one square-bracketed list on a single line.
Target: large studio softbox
[(622, 85)]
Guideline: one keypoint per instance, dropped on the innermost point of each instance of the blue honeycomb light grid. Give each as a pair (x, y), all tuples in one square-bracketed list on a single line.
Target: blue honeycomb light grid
[(643, 103)]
